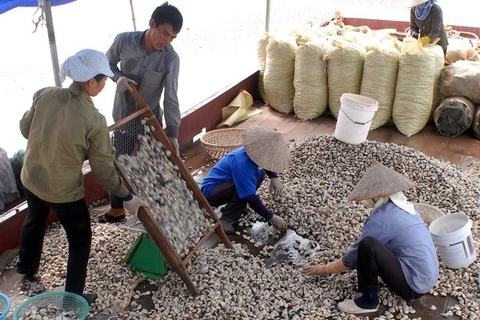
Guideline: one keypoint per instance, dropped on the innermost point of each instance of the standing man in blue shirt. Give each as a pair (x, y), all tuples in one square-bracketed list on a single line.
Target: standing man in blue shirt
[(395, 244), (148, 61), (235, 178)]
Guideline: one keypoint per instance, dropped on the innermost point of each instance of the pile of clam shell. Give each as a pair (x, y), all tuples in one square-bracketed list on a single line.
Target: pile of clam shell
[(157, 180), (234, 284)]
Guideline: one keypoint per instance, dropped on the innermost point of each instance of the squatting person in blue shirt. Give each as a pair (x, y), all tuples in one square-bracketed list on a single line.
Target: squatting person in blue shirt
[(395, 244), (235, 178)]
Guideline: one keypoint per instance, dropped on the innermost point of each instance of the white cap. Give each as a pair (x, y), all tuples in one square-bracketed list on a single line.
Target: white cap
[(85, 65)]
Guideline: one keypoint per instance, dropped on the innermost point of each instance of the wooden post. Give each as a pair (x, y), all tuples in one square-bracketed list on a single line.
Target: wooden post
[(47, 8), (133, 16)]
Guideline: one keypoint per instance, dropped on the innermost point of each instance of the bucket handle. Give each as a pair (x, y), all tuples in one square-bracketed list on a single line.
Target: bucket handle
[(356, 122)]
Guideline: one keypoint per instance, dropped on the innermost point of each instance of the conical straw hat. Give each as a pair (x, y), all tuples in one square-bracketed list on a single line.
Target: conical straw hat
[(267, 148), (414, 3), (379, 180)]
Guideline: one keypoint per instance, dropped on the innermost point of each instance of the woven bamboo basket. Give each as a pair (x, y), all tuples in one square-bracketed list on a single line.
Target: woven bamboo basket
[(221, 141), (428, 212)]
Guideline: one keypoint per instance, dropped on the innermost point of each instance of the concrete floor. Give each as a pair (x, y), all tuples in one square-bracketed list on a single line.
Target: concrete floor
[(463, 151)]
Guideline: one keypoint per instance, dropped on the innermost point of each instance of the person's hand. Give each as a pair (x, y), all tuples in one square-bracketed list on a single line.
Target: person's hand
[(424, 40), (276, 187), (123, 84), (324, 269), (174, 142), (278, 223), (133, 205), (316, 270)]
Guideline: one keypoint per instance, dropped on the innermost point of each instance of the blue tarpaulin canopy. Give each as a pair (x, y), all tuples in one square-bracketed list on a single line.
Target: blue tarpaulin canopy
[(6, 5)]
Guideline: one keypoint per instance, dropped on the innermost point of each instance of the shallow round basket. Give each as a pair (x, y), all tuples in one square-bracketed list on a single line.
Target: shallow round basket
[(428, 212), (63, 301), (5, 305), (221, 141)]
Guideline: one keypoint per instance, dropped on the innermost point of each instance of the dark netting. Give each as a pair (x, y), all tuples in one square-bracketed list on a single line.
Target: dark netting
[(125, 137)]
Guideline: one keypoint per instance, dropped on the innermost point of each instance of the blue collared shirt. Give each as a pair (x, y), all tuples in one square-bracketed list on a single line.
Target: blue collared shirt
[(407, 237), (235, 166)]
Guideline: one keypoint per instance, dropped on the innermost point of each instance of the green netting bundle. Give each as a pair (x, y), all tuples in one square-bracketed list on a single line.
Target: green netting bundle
[(379, 81), (310, 82), (476, 122), (278, 77), (453, 116), (345, 70), (414, 91)]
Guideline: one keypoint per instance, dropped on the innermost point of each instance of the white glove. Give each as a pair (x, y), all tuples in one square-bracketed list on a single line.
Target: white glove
[(123, 84), (276, 187), (133, 205), (174, 142), (278, 223)]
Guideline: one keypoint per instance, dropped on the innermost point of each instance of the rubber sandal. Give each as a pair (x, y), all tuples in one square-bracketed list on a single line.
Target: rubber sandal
[(349, 306), (108, 218)]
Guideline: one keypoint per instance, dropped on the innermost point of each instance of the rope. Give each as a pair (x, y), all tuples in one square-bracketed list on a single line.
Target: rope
[(454, 34), (40, 20)]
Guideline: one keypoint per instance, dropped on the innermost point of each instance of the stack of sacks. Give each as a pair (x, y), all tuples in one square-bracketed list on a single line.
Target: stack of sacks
[(414, 90), (380, 78), (461, 49), (278, 76), (437, 52), (462, 79), (310, 81), (344, 70), (262, 61)]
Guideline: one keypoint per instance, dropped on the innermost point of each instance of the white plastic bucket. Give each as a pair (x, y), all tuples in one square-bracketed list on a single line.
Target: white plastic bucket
[(355, 118), (452, 236)]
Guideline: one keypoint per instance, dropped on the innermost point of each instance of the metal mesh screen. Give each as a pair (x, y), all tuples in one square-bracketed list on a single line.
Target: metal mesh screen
[(125, 138), (154, 177)]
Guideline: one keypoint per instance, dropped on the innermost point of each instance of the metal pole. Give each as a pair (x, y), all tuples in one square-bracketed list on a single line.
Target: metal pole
[(267, 17), (47, 8)]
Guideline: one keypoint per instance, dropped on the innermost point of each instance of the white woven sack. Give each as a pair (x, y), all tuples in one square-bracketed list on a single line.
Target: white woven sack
[(310, 82), (461, 79), (437, 98), (379, 81), (414, 91), (344, 72), (278, 77), (262, 61)]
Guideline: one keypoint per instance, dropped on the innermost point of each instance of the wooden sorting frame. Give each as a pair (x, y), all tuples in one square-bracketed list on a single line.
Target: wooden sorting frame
[(145, 216)]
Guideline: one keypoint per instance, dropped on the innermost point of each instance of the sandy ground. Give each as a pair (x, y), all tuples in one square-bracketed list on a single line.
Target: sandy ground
[(218, 43)]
